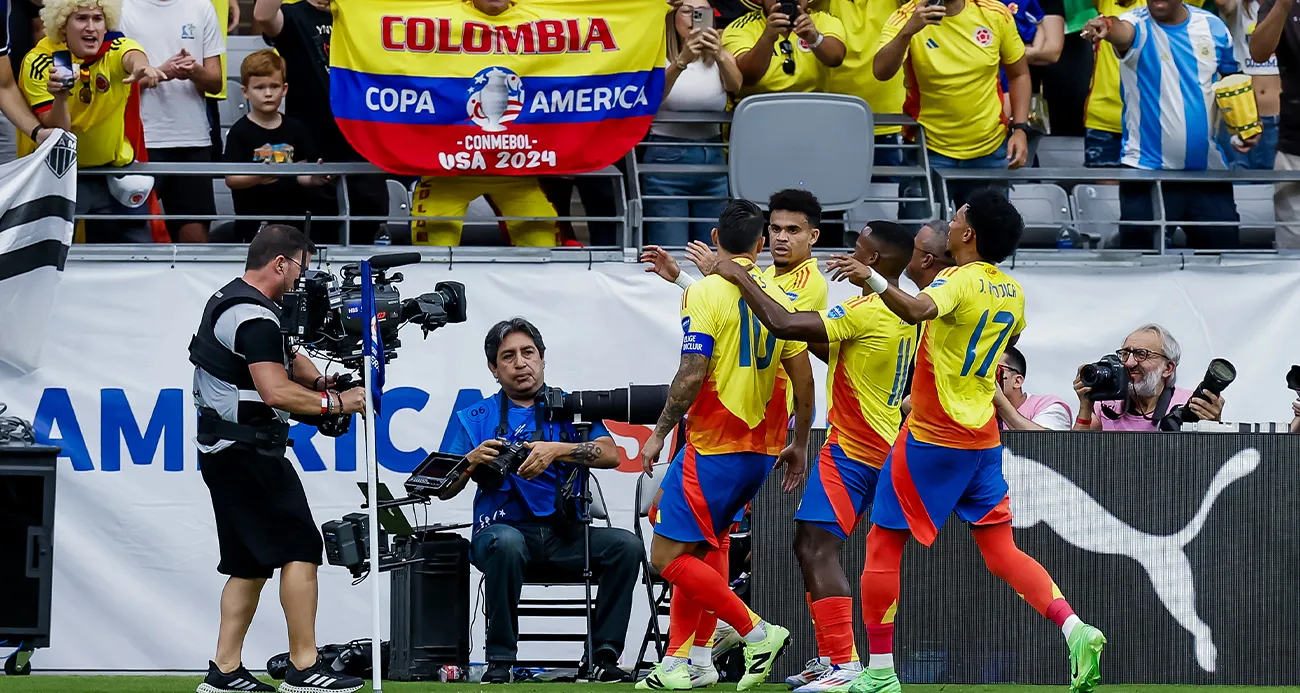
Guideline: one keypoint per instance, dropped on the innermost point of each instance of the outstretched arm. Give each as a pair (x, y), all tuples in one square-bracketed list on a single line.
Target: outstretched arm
[(802, 326), (912, 309)]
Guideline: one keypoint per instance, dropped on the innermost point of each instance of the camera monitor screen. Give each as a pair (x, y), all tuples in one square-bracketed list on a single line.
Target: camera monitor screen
[(435, 473)]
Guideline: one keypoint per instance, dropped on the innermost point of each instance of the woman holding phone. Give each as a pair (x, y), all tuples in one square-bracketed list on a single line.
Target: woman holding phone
[(699, 77)]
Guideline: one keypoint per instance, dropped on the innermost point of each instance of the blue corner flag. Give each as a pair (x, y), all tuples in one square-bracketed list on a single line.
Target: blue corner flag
[(372, 344)]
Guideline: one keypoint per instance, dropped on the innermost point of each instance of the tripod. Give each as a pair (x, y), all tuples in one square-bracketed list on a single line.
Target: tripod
[(578, 488)]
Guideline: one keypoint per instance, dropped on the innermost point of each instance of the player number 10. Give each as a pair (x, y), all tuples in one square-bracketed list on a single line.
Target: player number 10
[(751, 335), (1002, 317)]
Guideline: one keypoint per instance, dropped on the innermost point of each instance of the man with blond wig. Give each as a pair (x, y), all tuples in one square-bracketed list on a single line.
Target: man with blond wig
[(80, 78)]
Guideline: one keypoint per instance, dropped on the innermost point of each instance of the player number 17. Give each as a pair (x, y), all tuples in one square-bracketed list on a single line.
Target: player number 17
[(1002, 317)]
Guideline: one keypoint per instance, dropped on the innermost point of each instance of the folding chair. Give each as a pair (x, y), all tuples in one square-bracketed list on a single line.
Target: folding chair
[(657, 589)]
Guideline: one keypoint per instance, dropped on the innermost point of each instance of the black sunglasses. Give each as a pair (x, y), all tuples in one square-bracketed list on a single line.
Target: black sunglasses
[(787, 50)]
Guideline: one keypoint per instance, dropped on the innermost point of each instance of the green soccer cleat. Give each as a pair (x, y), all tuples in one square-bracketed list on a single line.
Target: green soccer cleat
[(760, 656), (659, 679), (876, 681), (1085, 643)]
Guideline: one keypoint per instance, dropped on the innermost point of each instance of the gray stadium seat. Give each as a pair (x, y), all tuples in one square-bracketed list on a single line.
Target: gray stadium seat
[(873, 208), (1046, 210), (1255, 207), (1056, 151), (822, 142), (234, 106), (399, 205), (1098, 204)]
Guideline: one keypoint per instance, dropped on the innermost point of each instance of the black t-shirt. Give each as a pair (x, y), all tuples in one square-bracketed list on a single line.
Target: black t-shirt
[(1288, 67), (291, 142), (304, 43), (260, 342)]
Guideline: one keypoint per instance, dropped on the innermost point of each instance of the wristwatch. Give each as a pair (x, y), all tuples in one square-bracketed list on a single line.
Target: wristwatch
[(1023, 127), (820, 37)]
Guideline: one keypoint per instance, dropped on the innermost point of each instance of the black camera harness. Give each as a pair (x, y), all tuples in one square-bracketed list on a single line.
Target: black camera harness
[(1157, 415), (566, 487)]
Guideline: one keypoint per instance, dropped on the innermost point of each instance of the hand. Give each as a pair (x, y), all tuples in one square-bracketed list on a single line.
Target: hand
[(1000, 401), (485, 452), (778, 24), (731, 271), (686, 52), (320, 178), (1017, 149), (179, 66), (353, 401), (59, 83), (661, 263), (1206, 405), (846, 267), (541, 455), (233, 22), (650, 453), (805, 29), (706, 43), (1097, 29), (43, 134), (1085, 402), (147, 76), (1244, 146), (703, 257), (925, 15), (795, 461), (1295, 407)]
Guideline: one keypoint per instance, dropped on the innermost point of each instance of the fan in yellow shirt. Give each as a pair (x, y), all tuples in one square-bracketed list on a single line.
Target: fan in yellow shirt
[(1102, 113), (778, 54), (863, 21)]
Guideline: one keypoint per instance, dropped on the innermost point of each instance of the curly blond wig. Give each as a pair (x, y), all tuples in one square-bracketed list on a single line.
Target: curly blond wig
[(55, 15)]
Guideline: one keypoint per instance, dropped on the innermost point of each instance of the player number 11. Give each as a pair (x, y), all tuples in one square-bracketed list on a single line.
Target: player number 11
[(1002, 317)]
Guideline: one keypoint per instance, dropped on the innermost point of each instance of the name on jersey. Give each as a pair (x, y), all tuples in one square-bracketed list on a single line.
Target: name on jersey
[(1003, 290), (542, 37)]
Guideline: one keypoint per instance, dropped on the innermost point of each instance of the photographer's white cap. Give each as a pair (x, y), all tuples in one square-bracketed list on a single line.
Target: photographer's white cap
[(132, 190)]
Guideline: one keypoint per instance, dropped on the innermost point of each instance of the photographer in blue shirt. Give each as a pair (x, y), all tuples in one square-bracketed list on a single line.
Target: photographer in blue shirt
[(532, 518)]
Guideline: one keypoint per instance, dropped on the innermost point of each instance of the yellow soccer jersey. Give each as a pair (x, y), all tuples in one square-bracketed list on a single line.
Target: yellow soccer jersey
[(980, 309), (805, 285), (952, 76), (870, 351), (809, 72), (863, 21), (739, 408), (97, 103), (1104, 102)]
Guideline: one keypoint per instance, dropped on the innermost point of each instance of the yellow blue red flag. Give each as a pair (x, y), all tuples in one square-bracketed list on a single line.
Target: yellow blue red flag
[(545, 87)]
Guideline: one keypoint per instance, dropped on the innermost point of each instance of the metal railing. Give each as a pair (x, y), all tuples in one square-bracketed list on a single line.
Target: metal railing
[(1163, 226)]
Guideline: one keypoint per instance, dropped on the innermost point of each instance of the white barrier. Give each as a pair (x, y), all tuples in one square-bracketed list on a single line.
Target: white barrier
[(135, 585)]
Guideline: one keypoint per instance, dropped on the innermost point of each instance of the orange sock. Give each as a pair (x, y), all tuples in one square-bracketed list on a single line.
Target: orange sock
[(1025, 575), (719, 560), (833, 621), (880, 588), (692, 577)]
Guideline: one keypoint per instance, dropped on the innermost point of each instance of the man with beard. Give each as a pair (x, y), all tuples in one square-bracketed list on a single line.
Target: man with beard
[(1151, 356)]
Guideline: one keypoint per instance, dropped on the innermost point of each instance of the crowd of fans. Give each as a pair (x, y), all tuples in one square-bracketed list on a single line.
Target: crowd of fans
[(987, 80)]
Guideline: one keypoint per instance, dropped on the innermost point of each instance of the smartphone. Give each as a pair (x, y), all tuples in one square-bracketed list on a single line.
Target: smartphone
[(63, 61), (701, 18), (790, 8), (935, 3)]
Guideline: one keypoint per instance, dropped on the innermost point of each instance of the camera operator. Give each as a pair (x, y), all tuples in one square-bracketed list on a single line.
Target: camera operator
[(531, 518), (1150, 356), (246, 383)]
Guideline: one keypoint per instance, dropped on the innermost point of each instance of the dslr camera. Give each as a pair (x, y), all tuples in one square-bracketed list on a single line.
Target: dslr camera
[(1108, 379)]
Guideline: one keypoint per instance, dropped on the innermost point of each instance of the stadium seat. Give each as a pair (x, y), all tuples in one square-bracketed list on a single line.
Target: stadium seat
[(1096, 211), (1046, 210), (814, 141), (399, 205), (1255, 207), (234, 106), (1055, 151), (881, 203), (657, 589)]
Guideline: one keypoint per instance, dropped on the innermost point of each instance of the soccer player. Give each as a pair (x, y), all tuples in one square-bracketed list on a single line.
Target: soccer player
[(870, 351), (726, 384), (948, 457), (794, 217)]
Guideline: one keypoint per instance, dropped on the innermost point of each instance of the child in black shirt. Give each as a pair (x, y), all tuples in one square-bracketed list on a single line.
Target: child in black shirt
[(267, 136)]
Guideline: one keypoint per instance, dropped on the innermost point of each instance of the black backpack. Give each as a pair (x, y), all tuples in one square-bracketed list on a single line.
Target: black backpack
[(352, 659)]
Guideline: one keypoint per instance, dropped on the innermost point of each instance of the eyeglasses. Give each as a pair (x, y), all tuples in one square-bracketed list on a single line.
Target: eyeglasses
[(938, 258), (1138, 355), (787, 50)]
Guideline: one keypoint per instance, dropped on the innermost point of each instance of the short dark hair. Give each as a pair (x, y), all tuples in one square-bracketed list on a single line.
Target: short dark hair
[(504, 329), (893, 235), (997, 224), (740, 226), (1016, 359), (275, 240), (797, 200)]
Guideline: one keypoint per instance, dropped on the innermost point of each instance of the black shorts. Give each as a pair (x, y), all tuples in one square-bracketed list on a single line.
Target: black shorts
[(183, 195), (263, 520)]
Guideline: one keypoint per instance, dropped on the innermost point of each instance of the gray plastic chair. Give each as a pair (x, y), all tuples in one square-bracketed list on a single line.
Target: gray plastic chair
[(1046, 210), (821, 142), (1096, 210), (1255, 207)]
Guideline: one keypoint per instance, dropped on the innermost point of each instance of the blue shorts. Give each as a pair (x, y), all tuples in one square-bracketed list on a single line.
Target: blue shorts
[(922, 484), (704, 494), (839, 491)]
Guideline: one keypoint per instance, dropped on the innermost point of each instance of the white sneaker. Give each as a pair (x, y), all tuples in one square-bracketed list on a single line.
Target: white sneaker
[(725, 639), (836, 680), (703, 676), (813, 670)]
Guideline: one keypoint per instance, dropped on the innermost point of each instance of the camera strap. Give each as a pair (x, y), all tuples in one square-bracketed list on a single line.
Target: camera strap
[(539, 430), (1162, 404)]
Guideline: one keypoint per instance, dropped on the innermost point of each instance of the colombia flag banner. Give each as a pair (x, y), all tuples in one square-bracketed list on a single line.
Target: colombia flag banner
[(546, 87)]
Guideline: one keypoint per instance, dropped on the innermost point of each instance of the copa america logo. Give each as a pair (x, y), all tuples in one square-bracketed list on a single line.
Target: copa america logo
[(496, 98)]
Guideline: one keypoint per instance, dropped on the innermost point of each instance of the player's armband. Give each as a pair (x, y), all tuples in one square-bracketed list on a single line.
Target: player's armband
[(697, 343)]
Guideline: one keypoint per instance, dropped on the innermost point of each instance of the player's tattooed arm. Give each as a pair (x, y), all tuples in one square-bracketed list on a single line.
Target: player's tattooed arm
[(801, 326), (682, 393)]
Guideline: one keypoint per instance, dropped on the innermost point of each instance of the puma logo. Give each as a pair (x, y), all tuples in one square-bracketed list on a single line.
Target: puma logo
[(1040, 494)]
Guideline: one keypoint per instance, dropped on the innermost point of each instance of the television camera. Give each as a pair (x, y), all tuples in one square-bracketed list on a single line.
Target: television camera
[(322, 314)]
